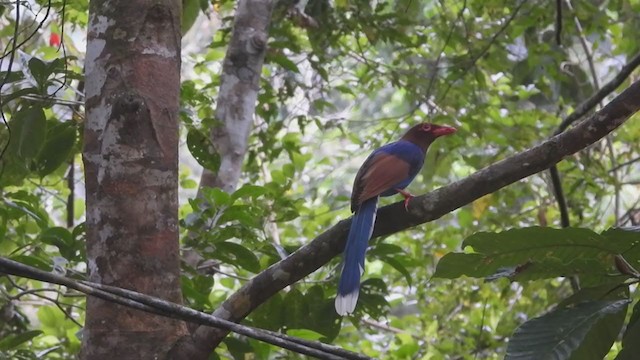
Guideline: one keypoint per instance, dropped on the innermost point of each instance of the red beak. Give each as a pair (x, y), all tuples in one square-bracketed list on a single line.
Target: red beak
[(443, 130)]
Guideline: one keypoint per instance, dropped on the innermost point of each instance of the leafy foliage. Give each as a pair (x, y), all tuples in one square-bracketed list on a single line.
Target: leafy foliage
[(340, 78), (561, 333)]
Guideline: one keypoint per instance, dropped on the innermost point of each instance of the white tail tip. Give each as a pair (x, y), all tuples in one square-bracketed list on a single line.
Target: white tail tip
[(345, 304)]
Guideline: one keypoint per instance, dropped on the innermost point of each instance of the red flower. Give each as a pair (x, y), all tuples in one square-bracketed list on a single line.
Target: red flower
[(54, 39)]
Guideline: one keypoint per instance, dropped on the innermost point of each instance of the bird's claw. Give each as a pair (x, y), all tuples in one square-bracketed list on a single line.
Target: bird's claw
[(407, 198)]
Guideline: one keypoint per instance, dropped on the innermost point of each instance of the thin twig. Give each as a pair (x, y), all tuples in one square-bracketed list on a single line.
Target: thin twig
[(626, 163), (56, 302), (596, 98), (580, 111), (444, 46), (559, 22), (592, 68), (12, 53), (33, 33), (487, 46)]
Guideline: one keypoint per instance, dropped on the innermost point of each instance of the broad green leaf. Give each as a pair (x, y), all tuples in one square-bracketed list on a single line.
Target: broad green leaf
[(408, 348), (14, 340), (372, 298), (39, 70), (202, 150), (540, 252), (561, 333), (382, 249), (216, 196), (19, 93), (237, 347), (243, 214), (30, 131), (236, 254), (283, 61), (297, 311), (195, 294), (305, 334), (630, 343), (13, 76), (53, 321), (249, 190), (397, 264), (33, 260), (26, 208), (322, 316), (62, 239), (612, 291), (60, 141), (270, 315), (190, 11)]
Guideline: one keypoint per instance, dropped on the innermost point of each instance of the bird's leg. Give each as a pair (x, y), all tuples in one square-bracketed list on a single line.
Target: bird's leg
[(407, 197)]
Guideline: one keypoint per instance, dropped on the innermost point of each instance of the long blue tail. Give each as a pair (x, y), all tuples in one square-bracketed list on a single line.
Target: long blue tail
[(359, 235)]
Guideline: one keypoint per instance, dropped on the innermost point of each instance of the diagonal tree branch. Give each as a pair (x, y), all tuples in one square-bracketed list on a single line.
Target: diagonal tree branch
[(393, 218)]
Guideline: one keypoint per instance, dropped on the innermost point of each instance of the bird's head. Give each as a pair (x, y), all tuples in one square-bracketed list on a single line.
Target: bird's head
[(424, 134)]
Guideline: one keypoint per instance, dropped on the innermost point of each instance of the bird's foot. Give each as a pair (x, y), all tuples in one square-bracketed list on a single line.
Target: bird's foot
[(407, 197)]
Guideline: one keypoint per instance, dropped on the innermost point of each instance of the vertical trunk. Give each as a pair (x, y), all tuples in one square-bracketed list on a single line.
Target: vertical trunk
[(240, 82), (131, 159)]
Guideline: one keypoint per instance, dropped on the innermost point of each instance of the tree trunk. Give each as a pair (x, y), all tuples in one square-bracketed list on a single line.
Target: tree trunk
[(131, 169), (240, 82)]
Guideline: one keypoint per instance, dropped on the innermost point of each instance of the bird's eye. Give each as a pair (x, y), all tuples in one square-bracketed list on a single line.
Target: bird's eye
[(426, 127)]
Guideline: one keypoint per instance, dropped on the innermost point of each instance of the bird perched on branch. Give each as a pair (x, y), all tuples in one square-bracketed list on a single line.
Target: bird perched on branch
[(387, 171)]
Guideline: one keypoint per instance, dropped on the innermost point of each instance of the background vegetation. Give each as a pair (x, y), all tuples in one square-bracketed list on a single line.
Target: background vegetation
[(340, 79)]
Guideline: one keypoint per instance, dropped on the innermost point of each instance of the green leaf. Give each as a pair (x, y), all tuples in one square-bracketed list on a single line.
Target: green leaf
[(249, 190), (284, 61), (13, 77), (62, 239), (39, 70), (53, 321), (190, 11), (539, 252), (202, 150), (236, 254), (30, 129), (322, 316), (297, 310), (397, 264), (305, 334), (216, 196), (409, 346), (57, 148), (238, 348), (243, 214), (612, 291), (372, 298), (270, 315), (32, 261), (195, 291), (39, 216), (12, 341), (19, 93), (561, 333), (382, 249), (630, 343)]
